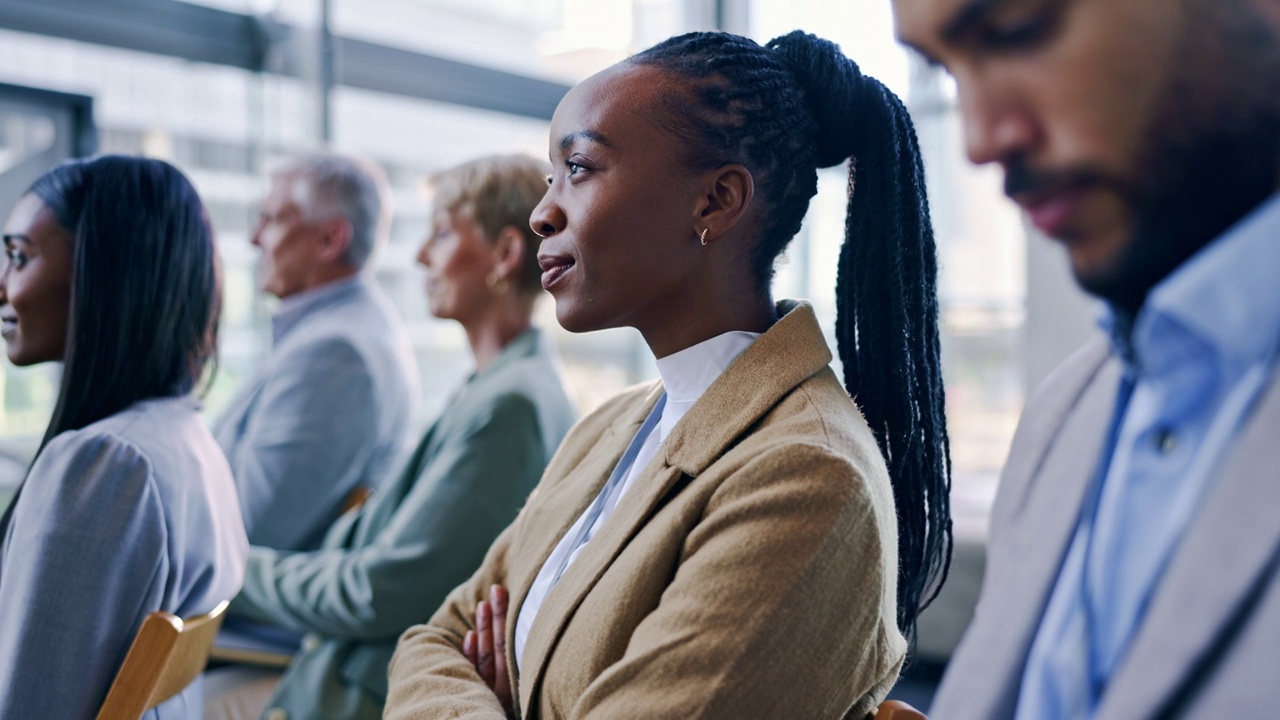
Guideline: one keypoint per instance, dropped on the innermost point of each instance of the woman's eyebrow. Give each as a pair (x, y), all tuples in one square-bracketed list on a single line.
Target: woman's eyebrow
[(592, 135), (10, 237)]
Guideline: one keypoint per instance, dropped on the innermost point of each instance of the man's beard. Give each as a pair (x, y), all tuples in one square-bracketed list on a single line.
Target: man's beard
[(1212, 154), (1214, 149)]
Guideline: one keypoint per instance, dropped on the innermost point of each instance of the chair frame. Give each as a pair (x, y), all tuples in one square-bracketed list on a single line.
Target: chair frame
[(166, 656)]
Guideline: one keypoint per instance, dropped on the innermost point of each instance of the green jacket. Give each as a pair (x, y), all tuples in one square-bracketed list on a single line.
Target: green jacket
[(390, 565)]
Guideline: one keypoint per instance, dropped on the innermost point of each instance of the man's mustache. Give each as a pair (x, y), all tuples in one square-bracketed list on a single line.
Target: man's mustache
[(1022, 180)]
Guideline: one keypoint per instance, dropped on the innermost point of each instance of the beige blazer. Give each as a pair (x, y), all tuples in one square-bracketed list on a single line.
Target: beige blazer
[(750, 571)]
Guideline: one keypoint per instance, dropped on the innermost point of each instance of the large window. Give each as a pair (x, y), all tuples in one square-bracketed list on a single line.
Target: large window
[(225, 126)]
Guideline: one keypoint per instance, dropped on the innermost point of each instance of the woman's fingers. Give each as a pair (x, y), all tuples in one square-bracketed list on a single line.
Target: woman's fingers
[(498, 603), (469, 648), (502, 679), (484, 645)]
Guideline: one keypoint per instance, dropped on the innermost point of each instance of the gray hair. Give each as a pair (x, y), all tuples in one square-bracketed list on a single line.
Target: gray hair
[(328, 185)]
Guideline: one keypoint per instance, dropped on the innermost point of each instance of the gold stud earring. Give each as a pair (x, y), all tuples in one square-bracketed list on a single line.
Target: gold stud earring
[(703, 235), (497, 285)]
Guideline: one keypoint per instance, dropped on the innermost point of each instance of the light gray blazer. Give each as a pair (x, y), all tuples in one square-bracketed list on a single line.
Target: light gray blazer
[(132, 514), (1209, 646), (332, 409), (391, 564)]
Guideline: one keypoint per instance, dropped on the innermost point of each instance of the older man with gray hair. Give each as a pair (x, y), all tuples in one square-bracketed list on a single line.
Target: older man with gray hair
[(331, 408)]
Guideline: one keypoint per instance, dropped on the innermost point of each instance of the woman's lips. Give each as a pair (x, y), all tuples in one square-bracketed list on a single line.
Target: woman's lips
[(8, 326), (554, 268)]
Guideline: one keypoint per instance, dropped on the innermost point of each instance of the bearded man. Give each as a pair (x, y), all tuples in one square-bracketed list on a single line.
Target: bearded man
[(1134, 556)]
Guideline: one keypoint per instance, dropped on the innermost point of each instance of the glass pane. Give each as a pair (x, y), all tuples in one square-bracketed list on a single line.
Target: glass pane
[(210, 121), (564, 40)]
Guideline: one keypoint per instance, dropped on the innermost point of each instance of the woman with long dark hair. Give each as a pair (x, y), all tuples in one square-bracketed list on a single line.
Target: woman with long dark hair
[(129, 506), (740, 539)]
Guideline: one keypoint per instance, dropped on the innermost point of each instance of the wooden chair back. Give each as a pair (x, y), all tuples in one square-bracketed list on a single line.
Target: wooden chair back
[(356, 499), (167, 654), (896, 710)]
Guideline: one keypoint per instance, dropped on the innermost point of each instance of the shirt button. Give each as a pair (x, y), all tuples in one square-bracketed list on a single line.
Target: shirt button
[(1166, 441)]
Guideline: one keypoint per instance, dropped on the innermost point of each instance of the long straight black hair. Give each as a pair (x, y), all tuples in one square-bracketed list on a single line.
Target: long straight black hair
[(784, 110), (145, 285)]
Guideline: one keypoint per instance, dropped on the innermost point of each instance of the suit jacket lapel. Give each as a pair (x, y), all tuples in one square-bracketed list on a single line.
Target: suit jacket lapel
[(1229, 547), (791, 352), (382, 506), (1053, 480), (554, 514)]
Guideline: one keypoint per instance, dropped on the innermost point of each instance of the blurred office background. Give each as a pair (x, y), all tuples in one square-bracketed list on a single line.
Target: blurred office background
[(223, 88)]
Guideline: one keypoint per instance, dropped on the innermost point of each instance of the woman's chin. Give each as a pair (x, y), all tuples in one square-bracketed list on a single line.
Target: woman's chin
[(441, 310), (575, 318), (25, 359)]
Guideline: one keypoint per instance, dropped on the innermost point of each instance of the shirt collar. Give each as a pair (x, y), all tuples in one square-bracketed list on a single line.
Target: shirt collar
[(1225, 297), (292, 309), (687, 374)]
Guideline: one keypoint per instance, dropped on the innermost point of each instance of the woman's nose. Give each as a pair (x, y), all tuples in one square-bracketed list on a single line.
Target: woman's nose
[(547, 218)]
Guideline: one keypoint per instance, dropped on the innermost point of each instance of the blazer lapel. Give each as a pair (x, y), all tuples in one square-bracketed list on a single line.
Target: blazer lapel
[(1042, 521), (1228, 549), (556, 511), (382, 506), (791, 352)]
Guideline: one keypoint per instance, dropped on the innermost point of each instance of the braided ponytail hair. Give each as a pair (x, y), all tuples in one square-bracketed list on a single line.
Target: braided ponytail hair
[(783, 111)]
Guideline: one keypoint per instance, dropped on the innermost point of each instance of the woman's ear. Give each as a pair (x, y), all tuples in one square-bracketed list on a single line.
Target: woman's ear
[(724, 202), (509, 249)]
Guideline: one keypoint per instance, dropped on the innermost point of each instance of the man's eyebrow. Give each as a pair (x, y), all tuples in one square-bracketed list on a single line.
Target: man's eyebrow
[(592, 135), (928, 59), (968, 17)]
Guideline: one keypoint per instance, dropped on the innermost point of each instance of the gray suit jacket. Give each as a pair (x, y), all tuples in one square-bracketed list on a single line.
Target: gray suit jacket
[(1209, 646), (132, 514), (391, 564), (330, 411)]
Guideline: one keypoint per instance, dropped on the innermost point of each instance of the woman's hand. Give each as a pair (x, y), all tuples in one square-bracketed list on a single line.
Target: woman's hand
[(486, 646)]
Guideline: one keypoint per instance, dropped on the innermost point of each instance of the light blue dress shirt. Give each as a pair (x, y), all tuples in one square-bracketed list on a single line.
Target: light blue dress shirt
[(1196, 359)]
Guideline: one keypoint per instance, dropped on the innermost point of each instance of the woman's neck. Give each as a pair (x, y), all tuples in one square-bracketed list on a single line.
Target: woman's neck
[(488, 335), (694, 324)]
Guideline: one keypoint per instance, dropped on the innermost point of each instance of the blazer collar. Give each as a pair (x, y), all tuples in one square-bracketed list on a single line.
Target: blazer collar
[(790, 352), (294, 309), (529, 343), (1231, 546)]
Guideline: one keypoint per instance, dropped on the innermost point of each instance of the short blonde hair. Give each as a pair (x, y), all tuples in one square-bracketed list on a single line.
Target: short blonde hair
[(496, 192)]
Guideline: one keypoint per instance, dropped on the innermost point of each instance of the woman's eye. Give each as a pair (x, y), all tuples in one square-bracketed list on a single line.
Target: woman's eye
[(16, 258), (574, 168)]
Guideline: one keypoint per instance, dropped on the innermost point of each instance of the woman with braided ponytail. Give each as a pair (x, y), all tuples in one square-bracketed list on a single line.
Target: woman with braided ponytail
[(740, 538)]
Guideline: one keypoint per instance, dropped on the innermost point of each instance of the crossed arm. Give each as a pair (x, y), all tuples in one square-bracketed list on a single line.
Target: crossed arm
[(777, 606)]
